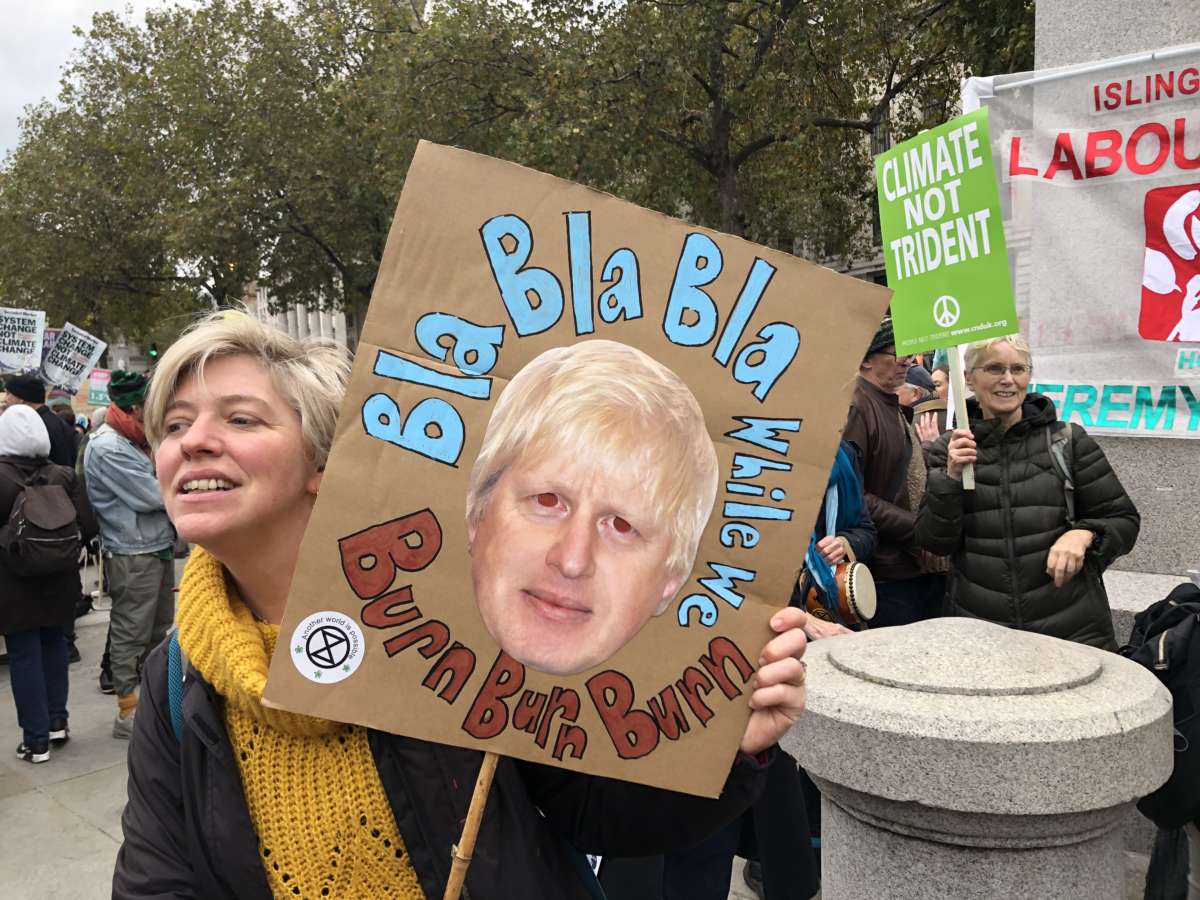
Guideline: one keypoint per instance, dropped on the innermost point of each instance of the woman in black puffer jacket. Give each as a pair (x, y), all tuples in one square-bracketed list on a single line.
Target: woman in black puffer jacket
[(1018, 558)]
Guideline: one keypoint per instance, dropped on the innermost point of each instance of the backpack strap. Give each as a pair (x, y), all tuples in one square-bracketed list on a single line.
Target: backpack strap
[(1061, 450), (9, 471), (175, 676)]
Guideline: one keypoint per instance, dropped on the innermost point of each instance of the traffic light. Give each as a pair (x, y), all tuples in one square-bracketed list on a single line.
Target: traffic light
[(153, 353)]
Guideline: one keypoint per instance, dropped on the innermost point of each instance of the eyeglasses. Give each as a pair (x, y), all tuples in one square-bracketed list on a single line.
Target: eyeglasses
[(907, 357), (997, 370)]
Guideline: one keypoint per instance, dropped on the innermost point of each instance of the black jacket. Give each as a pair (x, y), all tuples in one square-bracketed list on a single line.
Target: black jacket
[(1000, 534), (41, 601), (62, 437), (188, 832)]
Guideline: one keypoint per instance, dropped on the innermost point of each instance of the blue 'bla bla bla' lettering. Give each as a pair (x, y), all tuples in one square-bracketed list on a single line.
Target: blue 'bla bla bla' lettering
[(752, 502), (535, 301)]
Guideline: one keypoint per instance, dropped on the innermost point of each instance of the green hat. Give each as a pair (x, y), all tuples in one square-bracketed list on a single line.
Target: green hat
[(884, 337), (127, 389)]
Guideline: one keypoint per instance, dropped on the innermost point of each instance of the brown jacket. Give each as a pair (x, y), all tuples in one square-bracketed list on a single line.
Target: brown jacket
[(878, 426)]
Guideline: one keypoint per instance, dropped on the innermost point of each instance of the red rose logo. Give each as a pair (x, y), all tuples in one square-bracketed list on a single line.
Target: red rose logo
[(1171, 276)]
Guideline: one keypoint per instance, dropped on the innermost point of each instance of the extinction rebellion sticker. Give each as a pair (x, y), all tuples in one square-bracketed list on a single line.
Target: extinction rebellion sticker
[(327, 647)]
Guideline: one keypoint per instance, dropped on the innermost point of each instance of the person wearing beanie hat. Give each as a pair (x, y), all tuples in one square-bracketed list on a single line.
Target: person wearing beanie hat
[(883, 340), (137, 536), (29, 390), (35, 608), (908, 587), (127, 389), (26, 388)]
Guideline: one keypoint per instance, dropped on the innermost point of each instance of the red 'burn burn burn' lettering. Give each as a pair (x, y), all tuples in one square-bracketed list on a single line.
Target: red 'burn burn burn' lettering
[(409, 543), (371, 558), (634, 732)]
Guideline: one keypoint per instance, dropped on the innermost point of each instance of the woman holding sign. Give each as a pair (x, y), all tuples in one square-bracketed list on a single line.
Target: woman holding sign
[(1047, 516), (239, 800)]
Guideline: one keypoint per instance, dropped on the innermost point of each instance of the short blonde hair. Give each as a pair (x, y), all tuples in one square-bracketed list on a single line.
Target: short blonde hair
[(310, 373), (610, 405), (980, 349)]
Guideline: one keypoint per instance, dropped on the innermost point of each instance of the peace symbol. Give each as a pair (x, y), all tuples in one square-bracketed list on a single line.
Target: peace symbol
[(945, 311), (328, 647)]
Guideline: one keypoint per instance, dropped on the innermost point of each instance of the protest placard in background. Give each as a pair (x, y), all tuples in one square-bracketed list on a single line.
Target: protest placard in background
[(98, 387), (21, 339), (487, 266), (73, 355), (943, 239)]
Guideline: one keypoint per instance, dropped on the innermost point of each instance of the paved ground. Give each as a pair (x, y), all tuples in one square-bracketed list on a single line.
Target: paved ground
[(63, 818)]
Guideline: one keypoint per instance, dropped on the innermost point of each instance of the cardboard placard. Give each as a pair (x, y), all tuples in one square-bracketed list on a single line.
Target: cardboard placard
[(21, 339), (487, 267), (73, 355), (943, 238)]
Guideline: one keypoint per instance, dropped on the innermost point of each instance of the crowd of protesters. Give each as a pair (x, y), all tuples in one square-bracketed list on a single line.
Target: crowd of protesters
[(212, 808)]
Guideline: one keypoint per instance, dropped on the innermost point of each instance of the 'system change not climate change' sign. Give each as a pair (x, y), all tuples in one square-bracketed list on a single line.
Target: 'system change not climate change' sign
[(939, 211), (21, 339)]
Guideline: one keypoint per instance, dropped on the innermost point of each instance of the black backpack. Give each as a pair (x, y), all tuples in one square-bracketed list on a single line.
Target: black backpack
[(1166, 640), (41, 536)]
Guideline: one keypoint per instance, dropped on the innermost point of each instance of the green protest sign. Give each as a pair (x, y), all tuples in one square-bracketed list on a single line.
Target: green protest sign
[(943, 239)]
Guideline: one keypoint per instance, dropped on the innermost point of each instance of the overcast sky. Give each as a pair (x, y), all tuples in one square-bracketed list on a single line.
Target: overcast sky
[(35, 41)]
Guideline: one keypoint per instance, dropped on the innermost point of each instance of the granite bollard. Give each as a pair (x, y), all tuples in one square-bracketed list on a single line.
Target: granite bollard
[(957, 758)]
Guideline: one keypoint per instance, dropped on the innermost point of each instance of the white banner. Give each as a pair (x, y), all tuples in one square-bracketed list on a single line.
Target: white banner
[(21, 339), (71, 358), (1099, 169)]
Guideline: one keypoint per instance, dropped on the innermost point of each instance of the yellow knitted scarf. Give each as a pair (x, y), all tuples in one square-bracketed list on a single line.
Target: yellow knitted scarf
[(324, 825)]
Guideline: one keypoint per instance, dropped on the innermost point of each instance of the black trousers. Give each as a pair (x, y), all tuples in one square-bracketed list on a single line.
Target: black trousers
[(775, 831), (911, 600)]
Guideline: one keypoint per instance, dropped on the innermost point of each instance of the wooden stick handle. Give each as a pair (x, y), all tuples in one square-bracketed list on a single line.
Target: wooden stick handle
[(465, 848), (960, 408)]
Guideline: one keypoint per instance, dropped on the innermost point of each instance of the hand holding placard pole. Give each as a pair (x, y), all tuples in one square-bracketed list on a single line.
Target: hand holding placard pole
[(960, 408), (465, 848)]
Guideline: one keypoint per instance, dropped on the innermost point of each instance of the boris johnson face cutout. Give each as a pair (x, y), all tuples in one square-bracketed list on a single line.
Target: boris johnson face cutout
[(587, 501), (568, 564)]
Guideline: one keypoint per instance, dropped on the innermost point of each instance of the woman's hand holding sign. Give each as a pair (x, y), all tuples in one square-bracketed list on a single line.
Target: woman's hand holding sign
[(960, 452), (778, 697)]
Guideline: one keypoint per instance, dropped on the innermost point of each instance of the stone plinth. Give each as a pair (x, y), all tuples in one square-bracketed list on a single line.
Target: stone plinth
[(960, 759)]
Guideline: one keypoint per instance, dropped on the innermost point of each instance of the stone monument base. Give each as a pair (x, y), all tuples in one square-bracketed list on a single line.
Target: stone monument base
[(958, 856)]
